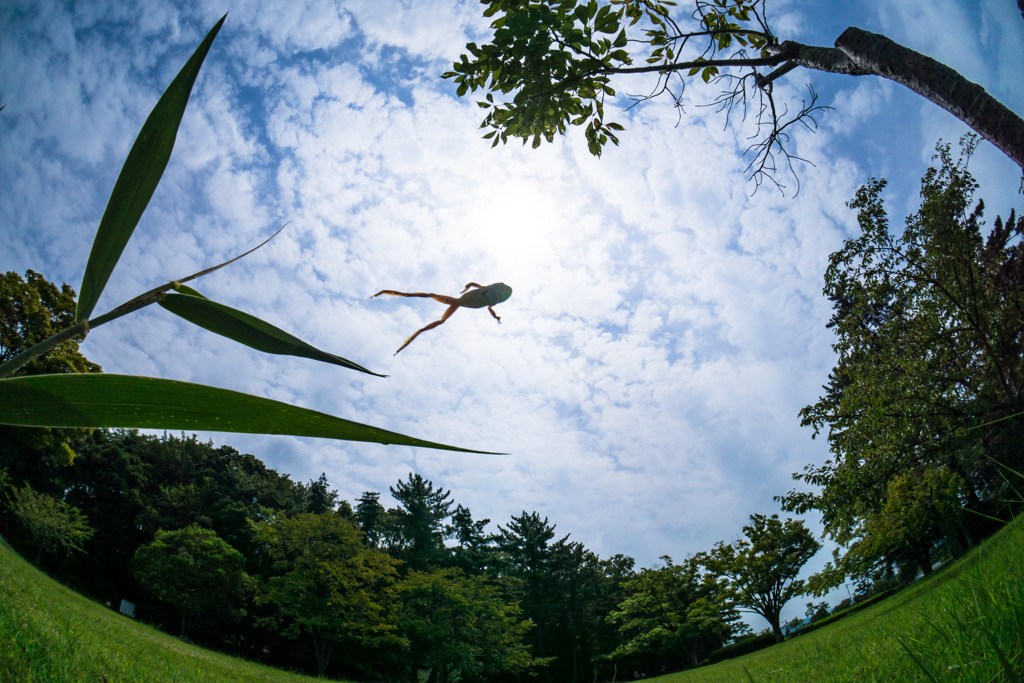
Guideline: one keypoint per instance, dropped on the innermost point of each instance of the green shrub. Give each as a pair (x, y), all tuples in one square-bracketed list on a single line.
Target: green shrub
[(849, 610), (741, 647)]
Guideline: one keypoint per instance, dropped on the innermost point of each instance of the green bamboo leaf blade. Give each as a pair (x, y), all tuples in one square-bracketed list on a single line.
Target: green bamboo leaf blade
[(247, 329), (139, 178), (125, 401)]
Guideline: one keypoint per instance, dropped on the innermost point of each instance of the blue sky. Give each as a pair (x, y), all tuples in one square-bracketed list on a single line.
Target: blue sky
[(666, 325)]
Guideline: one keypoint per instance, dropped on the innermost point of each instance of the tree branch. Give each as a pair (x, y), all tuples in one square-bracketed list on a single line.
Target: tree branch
[(700, 64), (876, 54)]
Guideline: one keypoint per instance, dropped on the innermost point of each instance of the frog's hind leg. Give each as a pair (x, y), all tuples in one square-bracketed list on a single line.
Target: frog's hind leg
[(441, 298), (447, 314)]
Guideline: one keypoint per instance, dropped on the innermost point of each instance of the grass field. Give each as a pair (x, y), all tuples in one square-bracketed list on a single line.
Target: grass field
[(964, 623), (49, 633)]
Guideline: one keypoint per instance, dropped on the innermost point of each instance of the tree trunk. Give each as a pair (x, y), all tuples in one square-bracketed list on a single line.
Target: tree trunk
[(861, 53), (924, 557), (693, 654), (951, 531), (773, 619), (540, 644), (414, 670), (953, 536), (322, 649), (574, 658), (963, 522)]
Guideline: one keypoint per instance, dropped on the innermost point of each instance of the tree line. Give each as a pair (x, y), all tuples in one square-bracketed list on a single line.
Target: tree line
[(210, 543)]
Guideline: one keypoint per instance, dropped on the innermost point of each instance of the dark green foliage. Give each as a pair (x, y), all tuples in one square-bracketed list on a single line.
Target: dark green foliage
[(816, 611), (419, 522), (589, 588), (51, 635), (743, 646), (923, 409), (52, 524), (674, 610), (333, 587), (369, 515), (530, 560), (550, 62), (475, 550), (130, 485), (31, 310), (195, 571), (856, 607), (460, 628), (318, 496)]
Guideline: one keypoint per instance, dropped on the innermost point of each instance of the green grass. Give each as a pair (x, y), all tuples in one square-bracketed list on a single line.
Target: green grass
[(963, 623), (50, 633)]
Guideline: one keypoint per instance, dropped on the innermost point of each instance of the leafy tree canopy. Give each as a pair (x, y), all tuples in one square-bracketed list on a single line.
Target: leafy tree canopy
[(461, 628), (672, 608), (928, 383), (329, 583), (420, 519), (761, 569), (53, 524), (193, 570)]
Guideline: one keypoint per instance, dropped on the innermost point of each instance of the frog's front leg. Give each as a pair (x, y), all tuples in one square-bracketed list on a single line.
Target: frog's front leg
[(491, 309), (471, 284)]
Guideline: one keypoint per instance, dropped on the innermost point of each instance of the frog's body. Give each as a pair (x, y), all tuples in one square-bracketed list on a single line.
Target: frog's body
[(480, 297)]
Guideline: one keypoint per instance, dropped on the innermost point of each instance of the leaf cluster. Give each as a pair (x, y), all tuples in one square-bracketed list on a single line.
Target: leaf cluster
[(33, 309), (550, 62), (329, 583), (672, 608), (194, 570), (52, 523), (463, 626), (550, 57)]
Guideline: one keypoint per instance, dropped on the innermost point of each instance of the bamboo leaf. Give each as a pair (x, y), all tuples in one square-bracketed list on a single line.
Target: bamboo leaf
[(108, 401), (246, 329), (138, 179)]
